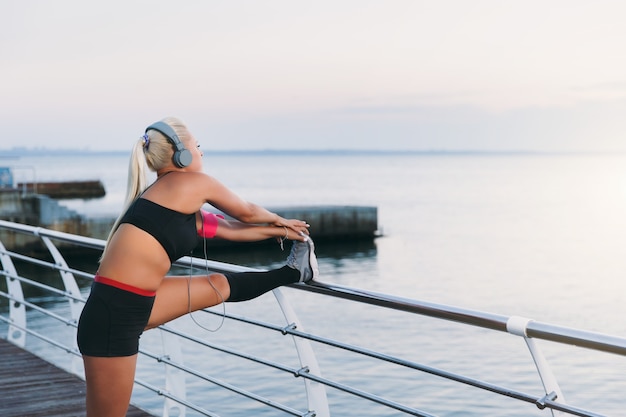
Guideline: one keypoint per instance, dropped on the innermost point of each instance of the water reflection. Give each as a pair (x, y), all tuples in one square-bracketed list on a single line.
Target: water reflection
[(270, 255)]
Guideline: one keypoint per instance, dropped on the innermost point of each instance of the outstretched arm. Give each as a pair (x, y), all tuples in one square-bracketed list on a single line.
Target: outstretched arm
[(251, 213), (225, 200), (243, 232)]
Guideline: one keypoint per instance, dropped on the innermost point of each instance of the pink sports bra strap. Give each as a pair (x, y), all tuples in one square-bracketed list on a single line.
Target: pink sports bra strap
[(209, 224)]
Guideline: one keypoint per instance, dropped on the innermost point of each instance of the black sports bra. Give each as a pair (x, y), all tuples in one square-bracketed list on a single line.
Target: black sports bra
[(175, 231)]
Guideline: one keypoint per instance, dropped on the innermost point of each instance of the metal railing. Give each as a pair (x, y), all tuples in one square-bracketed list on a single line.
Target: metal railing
[(174, 383)]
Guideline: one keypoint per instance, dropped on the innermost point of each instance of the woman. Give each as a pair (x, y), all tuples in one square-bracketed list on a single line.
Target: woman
[(162, 223)]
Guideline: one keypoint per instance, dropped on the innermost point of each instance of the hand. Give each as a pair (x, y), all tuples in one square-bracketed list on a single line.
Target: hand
[(294, 229)]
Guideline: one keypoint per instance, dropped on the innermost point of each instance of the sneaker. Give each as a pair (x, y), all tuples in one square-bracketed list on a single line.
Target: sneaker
[(302, 258)]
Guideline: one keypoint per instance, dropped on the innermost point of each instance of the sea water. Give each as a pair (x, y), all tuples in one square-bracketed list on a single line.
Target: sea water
[(537, 235)]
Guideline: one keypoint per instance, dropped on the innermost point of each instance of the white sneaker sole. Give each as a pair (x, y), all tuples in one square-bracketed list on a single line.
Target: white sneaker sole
[(312, 260)]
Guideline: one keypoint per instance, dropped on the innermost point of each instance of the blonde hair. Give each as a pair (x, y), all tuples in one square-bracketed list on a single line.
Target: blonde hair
[(154, 154)]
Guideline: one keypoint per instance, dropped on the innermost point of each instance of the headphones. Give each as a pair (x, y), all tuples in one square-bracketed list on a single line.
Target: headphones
[(182, 157)]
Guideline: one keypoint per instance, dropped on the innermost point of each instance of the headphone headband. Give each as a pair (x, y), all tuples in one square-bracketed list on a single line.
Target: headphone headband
[(182, 157)]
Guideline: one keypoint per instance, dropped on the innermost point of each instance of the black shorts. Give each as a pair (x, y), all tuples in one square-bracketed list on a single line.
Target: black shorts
[(112, 321)]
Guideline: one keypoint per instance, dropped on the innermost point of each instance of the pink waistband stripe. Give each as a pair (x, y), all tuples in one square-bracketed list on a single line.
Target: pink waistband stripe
[(113, 283)]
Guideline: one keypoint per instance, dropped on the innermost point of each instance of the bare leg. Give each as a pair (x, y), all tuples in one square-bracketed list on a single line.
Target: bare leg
[(172, 297), (109, 385), (110, 379)]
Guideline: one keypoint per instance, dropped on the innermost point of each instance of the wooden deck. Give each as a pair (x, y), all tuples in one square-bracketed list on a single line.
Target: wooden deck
[(32, 387)]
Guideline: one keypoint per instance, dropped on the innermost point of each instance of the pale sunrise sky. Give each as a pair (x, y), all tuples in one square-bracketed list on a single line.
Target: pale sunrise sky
[(284, 74)]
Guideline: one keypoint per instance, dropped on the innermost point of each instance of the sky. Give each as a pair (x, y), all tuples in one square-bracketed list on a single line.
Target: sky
[(445, 75)]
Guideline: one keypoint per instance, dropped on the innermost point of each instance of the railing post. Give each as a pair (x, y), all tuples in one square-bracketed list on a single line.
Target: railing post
[(517, 325), (17, 310), (316, 393), (174, 378), (71, 287)]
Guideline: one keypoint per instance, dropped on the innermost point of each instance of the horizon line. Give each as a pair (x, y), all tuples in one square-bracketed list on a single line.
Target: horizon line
[(17, 151)]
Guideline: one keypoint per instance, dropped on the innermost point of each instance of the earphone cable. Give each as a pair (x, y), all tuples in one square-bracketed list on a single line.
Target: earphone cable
[(206, 268)]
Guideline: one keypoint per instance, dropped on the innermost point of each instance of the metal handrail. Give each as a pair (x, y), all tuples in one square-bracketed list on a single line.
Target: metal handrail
[(525, 328), (561, 334)]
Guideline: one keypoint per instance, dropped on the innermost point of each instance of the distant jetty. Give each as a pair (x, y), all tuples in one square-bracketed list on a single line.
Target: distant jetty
[(65, 189)]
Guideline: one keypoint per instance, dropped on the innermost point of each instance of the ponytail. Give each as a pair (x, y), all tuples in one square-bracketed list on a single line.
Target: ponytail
[(136, 183), (136, 173)]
